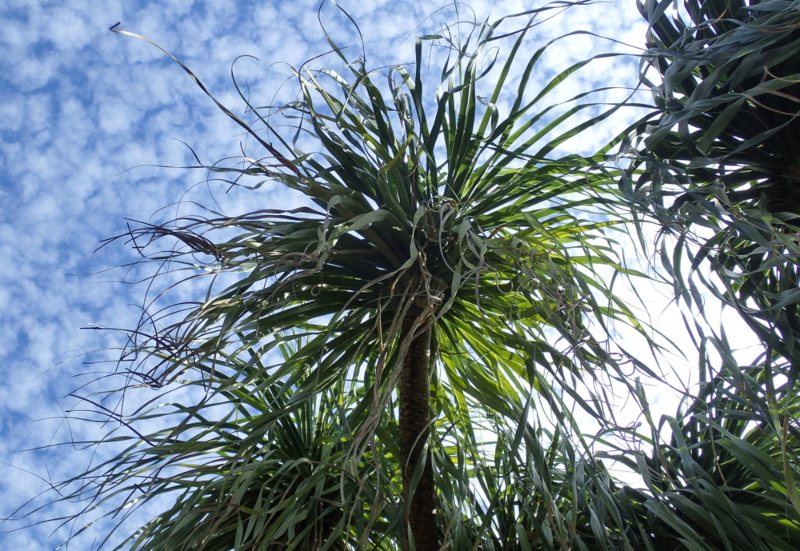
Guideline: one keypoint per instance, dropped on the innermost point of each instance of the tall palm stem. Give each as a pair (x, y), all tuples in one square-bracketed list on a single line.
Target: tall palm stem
[(415, 420)]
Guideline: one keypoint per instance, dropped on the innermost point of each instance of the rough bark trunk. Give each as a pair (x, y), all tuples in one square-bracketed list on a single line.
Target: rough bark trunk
[(419, 505)]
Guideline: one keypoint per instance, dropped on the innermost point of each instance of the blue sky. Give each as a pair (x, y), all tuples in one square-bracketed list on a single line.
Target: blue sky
[(85, 118)]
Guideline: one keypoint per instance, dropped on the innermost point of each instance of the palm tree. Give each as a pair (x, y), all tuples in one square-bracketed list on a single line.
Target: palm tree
[(409, 358), (716, 166), (723, 473), (720, 154)]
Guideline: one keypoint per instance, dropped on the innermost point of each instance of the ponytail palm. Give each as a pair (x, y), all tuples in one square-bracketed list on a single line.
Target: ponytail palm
[(726, 477), (718, 167), (721, 157), (400, 360)]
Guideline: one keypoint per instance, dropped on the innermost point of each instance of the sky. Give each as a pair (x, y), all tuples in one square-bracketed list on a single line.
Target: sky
[(88, 122)]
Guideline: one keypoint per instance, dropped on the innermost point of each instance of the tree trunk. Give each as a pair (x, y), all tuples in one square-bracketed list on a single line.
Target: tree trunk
[(419, 503)]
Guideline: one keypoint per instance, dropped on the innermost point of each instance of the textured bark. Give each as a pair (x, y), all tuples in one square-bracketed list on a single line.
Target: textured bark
[(414, 431)]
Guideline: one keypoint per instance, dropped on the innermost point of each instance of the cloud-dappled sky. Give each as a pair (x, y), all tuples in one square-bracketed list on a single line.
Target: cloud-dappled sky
[(86, 117)]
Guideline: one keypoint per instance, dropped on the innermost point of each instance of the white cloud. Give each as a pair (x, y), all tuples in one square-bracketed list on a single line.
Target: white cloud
[(11, 116), (115, 116), (36, 72), (66, 29), (38, 112)]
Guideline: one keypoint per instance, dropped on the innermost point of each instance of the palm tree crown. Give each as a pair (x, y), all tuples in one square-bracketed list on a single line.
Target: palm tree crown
[(453, 257), (720, 156)]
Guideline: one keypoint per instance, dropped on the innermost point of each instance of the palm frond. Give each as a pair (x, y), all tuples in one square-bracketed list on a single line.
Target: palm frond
[(727, 476), (718, 160)]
